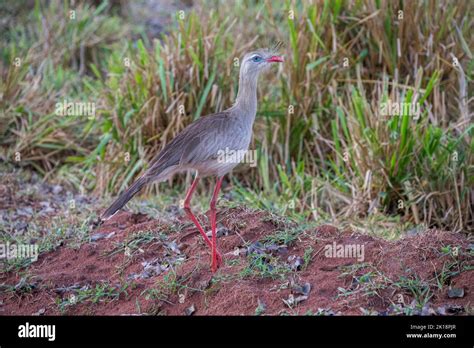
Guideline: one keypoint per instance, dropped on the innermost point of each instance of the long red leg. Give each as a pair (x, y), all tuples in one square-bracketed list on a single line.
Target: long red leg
[(215, 260), (189, 213)]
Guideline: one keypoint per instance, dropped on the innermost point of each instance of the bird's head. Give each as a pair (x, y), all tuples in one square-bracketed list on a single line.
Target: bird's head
[(256, 61)]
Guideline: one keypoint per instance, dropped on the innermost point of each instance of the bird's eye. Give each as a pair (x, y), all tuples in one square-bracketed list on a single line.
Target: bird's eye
[(257, 59)]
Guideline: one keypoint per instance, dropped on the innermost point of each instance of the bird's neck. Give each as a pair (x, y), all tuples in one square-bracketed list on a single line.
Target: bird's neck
[(246, 100)]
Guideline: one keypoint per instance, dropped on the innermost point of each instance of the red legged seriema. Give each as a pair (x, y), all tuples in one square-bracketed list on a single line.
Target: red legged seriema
[(200, 145)]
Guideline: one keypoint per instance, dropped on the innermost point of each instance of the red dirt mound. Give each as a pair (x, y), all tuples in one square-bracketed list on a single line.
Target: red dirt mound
[(135, 265)]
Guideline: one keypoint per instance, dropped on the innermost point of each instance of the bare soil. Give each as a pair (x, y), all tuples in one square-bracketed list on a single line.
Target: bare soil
[(135, 265)]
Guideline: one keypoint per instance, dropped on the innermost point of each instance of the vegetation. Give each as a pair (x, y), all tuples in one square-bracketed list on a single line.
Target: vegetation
[(325, 149)]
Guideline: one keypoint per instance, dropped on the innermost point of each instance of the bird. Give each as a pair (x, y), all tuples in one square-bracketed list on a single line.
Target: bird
[(200, 145)]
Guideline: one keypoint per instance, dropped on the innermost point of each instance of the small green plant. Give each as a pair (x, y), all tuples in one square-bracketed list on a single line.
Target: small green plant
[(264, 266), (307, 257), (260, 308), (419, 289), (25, 286), (284, 237), (170, 284), (136, 240), (101, 292)]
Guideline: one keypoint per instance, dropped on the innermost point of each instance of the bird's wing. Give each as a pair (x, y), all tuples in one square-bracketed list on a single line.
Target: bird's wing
[(208, 137), (198, 142)]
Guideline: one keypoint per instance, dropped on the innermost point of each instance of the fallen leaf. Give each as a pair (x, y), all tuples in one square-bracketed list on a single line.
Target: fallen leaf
[(173, 247), (325, 311), (56, 189), (293, 301), (296, 262), (301, 289), (40, 311), (427, 310), (368, 311), (98, 236), (255, 248)]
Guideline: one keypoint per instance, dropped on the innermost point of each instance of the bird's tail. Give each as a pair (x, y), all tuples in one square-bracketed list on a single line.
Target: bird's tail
[(125, 197)]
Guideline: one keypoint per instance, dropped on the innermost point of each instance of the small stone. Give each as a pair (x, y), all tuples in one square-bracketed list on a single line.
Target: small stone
[(456, 293), (220, 232), (190, 310)]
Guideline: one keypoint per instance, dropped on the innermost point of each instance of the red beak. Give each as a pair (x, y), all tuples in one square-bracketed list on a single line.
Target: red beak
[(275, 59)]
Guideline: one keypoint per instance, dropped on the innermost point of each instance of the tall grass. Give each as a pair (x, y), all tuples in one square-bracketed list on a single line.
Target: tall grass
[(325, 149), (47, 57)]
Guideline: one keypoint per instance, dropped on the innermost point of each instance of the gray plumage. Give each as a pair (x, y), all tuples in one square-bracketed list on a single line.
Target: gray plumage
[(197, 147)]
